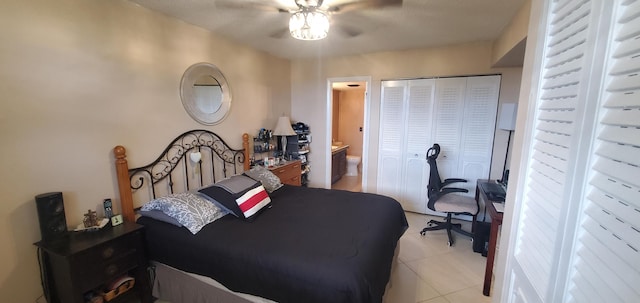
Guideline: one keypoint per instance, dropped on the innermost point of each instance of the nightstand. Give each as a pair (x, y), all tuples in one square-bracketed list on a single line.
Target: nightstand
[(81, 262), (289, 172)]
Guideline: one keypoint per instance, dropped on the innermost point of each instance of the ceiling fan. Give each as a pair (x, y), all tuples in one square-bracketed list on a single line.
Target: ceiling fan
[(310, 20)]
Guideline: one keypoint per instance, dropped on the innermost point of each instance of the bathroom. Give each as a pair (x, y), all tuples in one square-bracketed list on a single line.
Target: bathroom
[(348, 101)]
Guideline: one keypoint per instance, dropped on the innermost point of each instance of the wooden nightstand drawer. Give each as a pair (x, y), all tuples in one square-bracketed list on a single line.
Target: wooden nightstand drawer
[(110, 250), (86, 261), (89, 277), (288, 173)]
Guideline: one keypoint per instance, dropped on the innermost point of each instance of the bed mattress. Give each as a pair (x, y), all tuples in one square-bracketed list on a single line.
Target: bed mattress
[(311, 245)]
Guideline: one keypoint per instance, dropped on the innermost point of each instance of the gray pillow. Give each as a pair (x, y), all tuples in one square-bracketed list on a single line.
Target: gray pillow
[(189, 209), (160, 216), (269, 180)]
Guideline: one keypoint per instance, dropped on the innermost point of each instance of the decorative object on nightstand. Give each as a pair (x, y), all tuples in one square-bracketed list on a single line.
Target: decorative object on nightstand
[(284, 129), (82, 264)]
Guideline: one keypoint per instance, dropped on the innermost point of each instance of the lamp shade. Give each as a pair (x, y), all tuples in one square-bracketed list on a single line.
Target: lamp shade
[(507, 119), (283, 128)]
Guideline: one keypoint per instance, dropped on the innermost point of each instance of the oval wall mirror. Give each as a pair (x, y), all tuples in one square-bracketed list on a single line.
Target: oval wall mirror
[(205, 93)]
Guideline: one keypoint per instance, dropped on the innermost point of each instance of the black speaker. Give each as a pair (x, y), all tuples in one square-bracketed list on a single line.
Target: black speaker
[(53, 223)]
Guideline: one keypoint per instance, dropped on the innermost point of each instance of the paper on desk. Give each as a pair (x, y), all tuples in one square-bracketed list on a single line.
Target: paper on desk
[(499, 206)]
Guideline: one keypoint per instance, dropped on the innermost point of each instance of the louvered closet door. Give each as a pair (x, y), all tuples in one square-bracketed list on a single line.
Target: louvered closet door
[(448, 119), (606, 263), (392, 138), (418, 137), (476, 143)]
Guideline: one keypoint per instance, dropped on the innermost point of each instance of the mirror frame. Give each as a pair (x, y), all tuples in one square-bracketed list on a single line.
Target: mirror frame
[(187, 93)]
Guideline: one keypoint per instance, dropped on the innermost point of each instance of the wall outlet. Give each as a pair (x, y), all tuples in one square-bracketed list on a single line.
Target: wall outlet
[(116, 220)]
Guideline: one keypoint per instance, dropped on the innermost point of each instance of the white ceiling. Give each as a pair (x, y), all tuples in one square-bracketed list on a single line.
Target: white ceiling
[(416, 24)]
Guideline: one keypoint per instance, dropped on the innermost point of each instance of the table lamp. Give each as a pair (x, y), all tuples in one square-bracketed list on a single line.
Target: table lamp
[(507, 121), (284, 129)]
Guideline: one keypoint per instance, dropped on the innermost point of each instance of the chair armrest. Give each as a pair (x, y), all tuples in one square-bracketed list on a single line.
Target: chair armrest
[(448, 190), (453, 180)]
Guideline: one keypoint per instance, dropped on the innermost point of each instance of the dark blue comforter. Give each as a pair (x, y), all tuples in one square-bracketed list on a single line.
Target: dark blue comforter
[(312, 245)]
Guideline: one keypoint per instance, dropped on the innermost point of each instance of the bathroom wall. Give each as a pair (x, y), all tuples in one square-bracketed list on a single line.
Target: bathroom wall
[(351, 119)]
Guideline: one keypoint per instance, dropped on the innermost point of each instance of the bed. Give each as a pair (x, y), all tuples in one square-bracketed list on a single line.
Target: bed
[(309, 245)]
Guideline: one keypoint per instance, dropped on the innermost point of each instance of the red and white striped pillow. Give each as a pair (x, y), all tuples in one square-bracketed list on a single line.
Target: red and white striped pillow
[(253, 201)]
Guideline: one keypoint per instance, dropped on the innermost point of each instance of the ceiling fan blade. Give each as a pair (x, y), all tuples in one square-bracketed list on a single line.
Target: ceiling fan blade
[(250, 5), (356, 5), (281, 33), (348, 31)]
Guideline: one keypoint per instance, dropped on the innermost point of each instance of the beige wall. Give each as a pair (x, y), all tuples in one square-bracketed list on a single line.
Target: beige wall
[(78, 78), (309, 91), (513, 34)]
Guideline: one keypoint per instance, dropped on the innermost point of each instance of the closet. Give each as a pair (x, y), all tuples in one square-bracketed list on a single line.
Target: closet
[(459, 113)]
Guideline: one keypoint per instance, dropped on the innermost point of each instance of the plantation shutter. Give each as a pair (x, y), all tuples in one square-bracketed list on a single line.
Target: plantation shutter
[(576, 224), (565, 68), (606, 266)]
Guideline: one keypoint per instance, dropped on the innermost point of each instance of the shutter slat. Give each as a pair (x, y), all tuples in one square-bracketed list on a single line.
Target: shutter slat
[(557, 115), (594, 271), (585, 292), (622, 135), (615, 245), (559, 104), (568, 91), (626, 65), (629, 30), (615, 225), (623, 193), (556, 127), (556, 174), (569, 67), (620, 153), (560, 151), (553, 139), (619, 266), (632, 12), (624, 82), (620, 170), (627, 47), (626, 117), (623, 99)]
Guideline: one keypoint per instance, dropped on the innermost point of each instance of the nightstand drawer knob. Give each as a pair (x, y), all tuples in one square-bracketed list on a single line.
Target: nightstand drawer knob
[(111, 269), (107, 253)]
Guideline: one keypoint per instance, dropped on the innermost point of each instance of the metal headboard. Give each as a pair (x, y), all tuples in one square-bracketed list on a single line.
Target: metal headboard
[(175, 170)]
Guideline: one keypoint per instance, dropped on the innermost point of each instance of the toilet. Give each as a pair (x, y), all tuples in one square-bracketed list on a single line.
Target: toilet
[(352, 165)]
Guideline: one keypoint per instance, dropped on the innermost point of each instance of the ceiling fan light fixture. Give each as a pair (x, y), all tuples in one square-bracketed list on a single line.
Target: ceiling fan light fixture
[(309, 25)]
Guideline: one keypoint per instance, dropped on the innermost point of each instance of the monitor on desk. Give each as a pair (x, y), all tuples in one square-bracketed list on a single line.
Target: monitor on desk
[(505, 179)]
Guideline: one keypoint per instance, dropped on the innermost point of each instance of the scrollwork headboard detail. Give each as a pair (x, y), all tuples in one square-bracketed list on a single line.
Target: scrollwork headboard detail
[(191, 160)]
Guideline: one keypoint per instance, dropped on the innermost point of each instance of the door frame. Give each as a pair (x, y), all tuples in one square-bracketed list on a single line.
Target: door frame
[(365, 131)]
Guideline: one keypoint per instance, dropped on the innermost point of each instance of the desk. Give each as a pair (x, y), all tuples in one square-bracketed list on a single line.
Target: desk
[(496, 221)]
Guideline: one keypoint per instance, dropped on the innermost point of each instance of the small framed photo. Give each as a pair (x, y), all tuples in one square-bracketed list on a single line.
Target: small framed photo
[(116, 220)]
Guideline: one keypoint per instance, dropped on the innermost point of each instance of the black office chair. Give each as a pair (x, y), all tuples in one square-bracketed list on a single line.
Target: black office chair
[(444, 199)]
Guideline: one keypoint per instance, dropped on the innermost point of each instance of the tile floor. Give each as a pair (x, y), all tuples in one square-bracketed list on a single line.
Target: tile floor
[(348, 183), (429, 271)]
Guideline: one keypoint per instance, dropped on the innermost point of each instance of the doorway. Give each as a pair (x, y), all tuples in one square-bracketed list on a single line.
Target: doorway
[(347, 120)]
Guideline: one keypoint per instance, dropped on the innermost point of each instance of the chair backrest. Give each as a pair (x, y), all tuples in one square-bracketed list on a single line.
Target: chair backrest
[(435, 182)]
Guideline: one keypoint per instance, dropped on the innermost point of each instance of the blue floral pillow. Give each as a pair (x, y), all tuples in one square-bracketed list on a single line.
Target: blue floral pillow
[(190, 209)]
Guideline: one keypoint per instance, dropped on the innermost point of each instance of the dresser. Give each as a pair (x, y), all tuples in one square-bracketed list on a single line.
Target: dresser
[(289, 172), (83, 262)]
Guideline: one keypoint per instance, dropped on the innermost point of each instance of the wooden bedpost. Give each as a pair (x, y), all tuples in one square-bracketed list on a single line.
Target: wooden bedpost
[(245, 146), (124, 185)]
